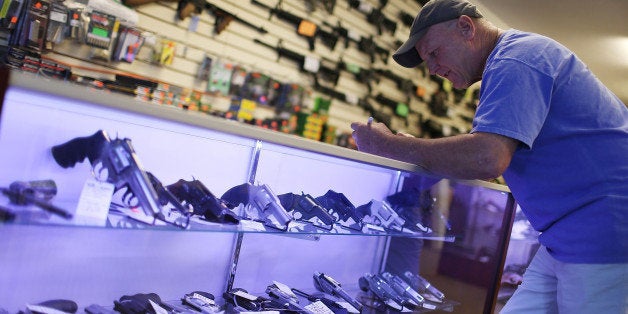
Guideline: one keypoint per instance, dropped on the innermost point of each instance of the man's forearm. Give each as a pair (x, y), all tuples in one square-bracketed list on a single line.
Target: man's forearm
[(467, 156)]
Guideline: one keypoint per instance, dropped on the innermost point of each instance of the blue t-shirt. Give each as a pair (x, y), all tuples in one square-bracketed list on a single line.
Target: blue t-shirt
[(570, 171)]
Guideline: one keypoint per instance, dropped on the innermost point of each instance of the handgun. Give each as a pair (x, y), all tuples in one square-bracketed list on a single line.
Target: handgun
[(382, 290), (201, 301), (180, 214), (327, 284), (260, 203), (203, 201), (142, 303), (288, 299), (422, 285), (381, 214), (240, 298), (414, 207), (37, 192), (331, 304), (403, 288), (340, 206), (113, 161), (305, 207)]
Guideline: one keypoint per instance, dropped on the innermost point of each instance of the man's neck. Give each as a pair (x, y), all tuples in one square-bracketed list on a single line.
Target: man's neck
[(489, 36)]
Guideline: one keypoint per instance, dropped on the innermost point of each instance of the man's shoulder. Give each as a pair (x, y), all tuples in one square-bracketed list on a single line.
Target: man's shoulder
[(531, 49), (513, 42)]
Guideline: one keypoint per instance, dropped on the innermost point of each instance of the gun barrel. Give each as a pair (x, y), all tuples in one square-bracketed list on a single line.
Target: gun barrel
[(29, 199), (125, 170), (328, 285)]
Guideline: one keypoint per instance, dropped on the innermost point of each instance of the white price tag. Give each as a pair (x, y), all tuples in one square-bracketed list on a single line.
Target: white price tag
[(93, 205), (354, 35), (351, 98), (311, 64), (193, 26)]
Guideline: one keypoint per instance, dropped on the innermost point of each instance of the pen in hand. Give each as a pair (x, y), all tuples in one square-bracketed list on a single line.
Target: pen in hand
[(370, 121)]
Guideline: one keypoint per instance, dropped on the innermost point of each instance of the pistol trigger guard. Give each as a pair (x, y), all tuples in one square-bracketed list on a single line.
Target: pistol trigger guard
[(128, 197), (100, 172)]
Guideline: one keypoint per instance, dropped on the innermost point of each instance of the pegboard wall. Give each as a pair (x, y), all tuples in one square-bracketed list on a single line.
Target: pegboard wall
[(348, 60)]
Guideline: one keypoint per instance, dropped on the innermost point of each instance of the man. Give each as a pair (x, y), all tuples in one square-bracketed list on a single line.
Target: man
[(557, 135)]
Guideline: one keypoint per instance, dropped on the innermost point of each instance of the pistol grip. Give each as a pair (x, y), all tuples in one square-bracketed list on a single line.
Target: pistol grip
[(75, 150)]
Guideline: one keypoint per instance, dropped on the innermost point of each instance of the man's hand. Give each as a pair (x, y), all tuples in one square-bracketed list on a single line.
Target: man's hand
[(371, 138)]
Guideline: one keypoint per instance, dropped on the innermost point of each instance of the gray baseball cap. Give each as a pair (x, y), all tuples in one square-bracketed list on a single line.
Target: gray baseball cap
[(433, 12)]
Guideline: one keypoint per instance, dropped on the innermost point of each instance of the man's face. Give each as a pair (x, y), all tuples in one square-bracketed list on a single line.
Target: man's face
[(446, 54)]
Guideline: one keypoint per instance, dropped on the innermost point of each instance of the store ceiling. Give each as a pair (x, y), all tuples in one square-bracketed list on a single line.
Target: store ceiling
[(597, 31)]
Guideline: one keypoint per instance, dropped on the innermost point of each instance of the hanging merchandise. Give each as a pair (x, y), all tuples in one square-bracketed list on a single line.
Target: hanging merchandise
[(329, 134), (242, 109), (289, 100), (100, 30), (76, 25), (321, 107), (58, 24), (220, 77), (10, 14), (312, 126), (129, 42), (203, 70), (123, 14), (238, 77), (168, 48), (31, 32), (274, 91), (256, 87)]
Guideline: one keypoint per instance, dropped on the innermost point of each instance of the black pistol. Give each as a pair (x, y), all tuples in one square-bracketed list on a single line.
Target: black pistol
[(203, 202), (305, 208), (340, 206), (179, 213)]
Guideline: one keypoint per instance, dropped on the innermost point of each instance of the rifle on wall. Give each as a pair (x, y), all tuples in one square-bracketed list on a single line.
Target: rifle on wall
[(375, 16), (328, 73), (304, 27), (222, 18)]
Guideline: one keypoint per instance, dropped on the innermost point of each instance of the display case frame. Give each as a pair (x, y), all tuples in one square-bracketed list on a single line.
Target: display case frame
[(58, 110)]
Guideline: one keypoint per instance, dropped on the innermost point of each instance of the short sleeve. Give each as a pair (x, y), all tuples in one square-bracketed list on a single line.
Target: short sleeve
[(514, 101)]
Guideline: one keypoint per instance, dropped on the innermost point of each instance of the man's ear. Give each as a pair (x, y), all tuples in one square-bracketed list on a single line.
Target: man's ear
[(466, 26)]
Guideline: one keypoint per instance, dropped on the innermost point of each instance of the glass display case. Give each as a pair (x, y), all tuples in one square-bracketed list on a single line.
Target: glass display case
[(95, 216)]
